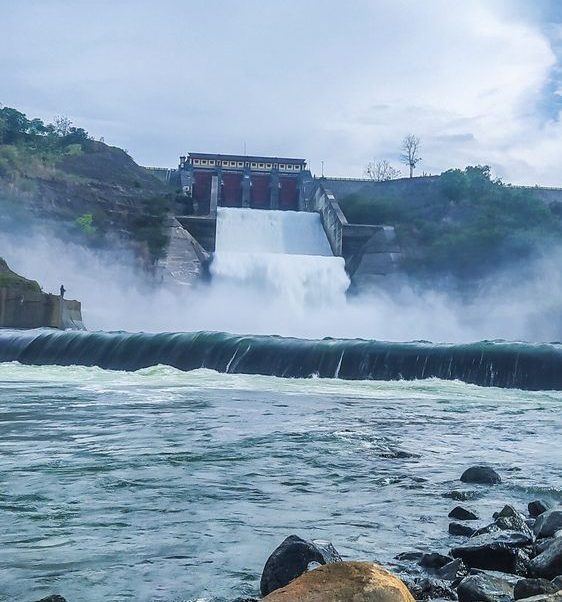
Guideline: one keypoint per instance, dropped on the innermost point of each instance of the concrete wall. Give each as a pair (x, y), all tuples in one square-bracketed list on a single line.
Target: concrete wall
[(370, 251), (22, 308)]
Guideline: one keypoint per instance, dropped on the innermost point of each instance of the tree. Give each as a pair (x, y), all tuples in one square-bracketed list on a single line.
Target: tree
[(62, 125), (381, 171), (410, 152)]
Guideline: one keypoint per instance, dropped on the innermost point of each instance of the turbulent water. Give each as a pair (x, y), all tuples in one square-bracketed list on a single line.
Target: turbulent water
[(166, 485), (285, 253), (489, 363)]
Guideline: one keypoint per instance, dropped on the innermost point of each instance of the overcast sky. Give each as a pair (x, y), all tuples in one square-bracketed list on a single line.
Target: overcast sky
[(478, 81)]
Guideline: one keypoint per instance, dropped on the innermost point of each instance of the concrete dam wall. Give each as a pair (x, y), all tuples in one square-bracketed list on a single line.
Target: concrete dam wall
[(23, 308)]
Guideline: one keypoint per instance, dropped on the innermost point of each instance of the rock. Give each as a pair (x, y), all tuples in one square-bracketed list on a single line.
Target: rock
[(511, 520), (462, 496), (349, 581), (483, 475), (458, 529), (434, 560), (415, 556), (556, 597), (525, 588), (427, 588), (291, 559), (53, 598), (484, 588), (537, 507), (548, 564), (548, 523), (245, 600), (496, 552), (455, 569), (557, 581), (461, 513)]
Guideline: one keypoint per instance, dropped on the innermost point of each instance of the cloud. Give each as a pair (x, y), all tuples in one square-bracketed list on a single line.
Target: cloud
[(322, 80)]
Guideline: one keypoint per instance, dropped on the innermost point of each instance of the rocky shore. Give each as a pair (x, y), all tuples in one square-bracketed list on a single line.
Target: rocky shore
[(514, 556)]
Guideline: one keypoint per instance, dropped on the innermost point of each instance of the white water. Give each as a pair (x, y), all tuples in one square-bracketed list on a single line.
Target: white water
[(282, 254)]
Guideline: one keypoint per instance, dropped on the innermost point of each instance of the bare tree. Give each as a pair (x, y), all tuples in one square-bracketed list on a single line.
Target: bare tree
[(62, 125), (381, 171), (410, 152)]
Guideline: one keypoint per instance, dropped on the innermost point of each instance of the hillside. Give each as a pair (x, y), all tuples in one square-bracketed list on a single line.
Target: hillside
[(87, 189), (10, 279), (462, 223)]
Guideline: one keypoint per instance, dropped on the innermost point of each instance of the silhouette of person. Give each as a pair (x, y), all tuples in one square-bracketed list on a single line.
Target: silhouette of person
[(62, 290)]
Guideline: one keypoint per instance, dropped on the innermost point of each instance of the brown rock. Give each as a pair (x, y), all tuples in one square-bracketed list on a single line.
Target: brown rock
[(344, 581)]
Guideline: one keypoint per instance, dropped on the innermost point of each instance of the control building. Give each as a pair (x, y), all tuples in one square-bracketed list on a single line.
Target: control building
[(244, 181)]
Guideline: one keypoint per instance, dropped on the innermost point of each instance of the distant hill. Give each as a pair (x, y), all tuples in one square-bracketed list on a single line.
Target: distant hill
[(89, 190)]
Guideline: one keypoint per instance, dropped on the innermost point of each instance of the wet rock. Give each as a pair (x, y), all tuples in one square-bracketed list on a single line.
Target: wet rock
[(548, 523), (414, 556), (542, 544), (525, 588), (461, 513), (452, 571), (510, 519), (484, 588), (546, 598), (548, 564), (291, 559), (428, 588), (496, 552), (537, 507), (53, 598), (462, 496), (483, 475), (245, 600), (434, 560), (357, 581), (458, 529), (557, 581)]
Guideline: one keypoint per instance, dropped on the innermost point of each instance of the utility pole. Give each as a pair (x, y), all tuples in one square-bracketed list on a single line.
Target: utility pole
[(322, 169)]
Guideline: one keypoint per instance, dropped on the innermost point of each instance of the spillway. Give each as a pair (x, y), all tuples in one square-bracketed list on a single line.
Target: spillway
[(284, 254)]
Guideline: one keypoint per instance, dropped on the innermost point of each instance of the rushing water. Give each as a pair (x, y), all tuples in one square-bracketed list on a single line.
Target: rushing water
[(167, 485), (280, 253)]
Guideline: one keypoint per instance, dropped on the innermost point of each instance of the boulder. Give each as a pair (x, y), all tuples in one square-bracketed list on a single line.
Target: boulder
[(496, 551), (548, 523), (525, 588), (454, 570), (458, 529), (428, 588), (462, 496), (461, 513), (53, 598), (350, 581), (291, 559), (483, 475), (557, 581), (548, 564), (415, 556), (484, 588), (434, 560), (537, 507)]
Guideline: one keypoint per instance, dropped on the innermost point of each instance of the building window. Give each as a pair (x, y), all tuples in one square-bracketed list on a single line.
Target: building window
[(203, 161), (254, 164), (233, 164), (212, 162), (240, 164), (196, 161), (268, 165), (281, 165), (261, 166)]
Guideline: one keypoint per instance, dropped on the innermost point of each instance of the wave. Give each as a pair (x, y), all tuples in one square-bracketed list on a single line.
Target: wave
[(487, 363)]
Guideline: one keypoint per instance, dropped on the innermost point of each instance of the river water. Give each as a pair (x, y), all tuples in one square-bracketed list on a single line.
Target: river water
[(167, 485)]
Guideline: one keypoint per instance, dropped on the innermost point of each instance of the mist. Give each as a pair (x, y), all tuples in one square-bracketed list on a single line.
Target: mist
[(521, 303)]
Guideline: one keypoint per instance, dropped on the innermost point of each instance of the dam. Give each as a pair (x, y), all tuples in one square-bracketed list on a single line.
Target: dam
[(250, 217)]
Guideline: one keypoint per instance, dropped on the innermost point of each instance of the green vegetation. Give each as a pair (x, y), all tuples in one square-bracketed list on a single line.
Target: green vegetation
[(464, 223), (11, 279), (91, 191)]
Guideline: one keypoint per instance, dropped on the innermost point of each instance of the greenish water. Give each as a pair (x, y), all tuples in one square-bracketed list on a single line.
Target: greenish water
[(168, 485)]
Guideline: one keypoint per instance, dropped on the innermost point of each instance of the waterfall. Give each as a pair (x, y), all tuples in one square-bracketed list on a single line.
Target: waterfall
[(284, 254)]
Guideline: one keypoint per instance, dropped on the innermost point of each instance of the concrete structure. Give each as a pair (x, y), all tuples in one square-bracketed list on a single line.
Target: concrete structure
[(370, 251), (243, 181), (24, 308)]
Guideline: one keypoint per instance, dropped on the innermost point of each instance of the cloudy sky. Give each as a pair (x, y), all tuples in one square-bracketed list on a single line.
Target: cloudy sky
[(343, 81)]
